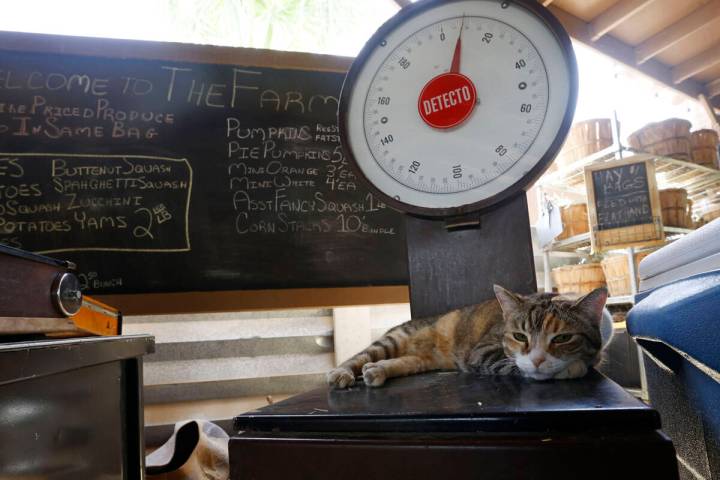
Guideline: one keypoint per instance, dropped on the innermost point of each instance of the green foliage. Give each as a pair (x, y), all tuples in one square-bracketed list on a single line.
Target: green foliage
[(296, 25)]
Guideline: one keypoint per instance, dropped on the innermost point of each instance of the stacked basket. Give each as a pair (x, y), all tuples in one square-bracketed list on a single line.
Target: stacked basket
[(585, 138), (704, 145), (582, 278), (669, 138), (676, 208), (709, 216), (574, 220), (617, 274)]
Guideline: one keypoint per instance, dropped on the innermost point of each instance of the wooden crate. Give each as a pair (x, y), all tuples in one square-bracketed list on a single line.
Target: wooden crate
[(583, 278)]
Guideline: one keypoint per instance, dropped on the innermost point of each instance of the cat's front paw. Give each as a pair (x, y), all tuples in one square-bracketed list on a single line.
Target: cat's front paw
[(340, 378), (576, 369), (373, 375)]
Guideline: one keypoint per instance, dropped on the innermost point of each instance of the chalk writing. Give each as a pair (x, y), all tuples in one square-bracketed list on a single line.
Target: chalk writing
[(95, 202), (273, 191), (244, 163), (622, 196)]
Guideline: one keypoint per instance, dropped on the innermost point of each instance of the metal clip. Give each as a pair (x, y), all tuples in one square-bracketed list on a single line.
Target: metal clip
[(463, 222)]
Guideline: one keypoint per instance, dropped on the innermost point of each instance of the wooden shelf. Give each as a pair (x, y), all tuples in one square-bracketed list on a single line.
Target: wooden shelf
[(702, 183), (582, 241), (621, 300), (571, 244), (568, 178)]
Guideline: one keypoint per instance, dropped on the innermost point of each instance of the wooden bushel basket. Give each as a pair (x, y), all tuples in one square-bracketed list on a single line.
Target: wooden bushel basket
[(676, 208), (669, 138), (704, 144), (582, 278), (585, 138), (708, 217), (617, 275), (574, 220)]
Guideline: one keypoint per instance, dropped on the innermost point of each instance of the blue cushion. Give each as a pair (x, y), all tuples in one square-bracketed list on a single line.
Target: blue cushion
[(678, 325), (685, 315)]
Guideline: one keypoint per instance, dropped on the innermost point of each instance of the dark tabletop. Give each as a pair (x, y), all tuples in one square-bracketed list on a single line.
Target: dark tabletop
[(458, 402), (31, 359)]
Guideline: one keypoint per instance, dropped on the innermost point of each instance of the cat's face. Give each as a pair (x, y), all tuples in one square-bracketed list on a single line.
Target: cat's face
[(545, 333)]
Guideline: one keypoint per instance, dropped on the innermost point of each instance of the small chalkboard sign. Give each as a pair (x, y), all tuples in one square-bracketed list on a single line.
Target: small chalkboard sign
[(623, 204)]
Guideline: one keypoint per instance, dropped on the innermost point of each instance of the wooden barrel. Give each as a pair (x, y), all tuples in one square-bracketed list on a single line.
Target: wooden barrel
[(617, 275), (669, 138), (704, 144), (709, 216), (585, 138), (574, 220), (676, 210), (582, 278)]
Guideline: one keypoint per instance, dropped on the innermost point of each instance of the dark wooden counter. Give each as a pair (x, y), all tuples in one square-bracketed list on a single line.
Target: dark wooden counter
[(431, 425)]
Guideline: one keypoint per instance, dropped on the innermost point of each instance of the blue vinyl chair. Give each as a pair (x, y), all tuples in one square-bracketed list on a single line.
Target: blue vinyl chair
[(676, 321)]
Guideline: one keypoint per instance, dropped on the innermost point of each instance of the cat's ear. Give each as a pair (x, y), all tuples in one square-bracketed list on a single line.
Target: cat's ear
[(509, 302), (592, 304)]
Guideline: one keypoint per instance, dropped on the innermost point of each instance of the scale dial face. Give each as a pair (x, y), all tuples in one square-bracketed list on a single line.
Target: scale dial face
[(453, 106)]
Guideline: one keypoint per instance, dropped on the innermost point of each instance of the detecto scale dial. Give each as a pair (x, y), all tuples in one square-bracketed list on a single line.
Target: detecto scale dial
[(455, 105)]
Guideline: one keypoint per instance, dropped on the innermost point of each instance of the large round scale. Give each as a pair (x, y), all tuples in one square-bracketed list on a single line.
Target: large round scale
[(455, 105)]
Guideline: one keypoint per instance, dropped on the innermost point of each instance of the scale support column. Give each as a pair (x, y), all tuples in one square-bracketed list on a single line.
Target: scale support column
[(453, 269)]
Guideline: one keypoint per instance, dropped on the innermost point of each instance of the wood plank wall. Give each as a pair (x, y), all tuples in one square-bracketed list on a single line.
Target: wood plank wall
[(217, 365)]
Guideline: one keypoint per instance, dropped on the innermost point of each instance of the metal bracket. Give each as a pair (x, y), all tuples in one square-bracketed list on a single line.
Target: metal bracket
[(463, 222)]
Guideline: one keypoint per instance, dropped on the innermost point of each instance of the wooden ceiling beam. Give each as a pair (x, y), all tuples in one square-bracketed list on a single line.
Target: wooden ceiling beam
[(623, 53), (615, 15), (710, 112), (594, 34), (678, 31), (697, 64), (713, 88)]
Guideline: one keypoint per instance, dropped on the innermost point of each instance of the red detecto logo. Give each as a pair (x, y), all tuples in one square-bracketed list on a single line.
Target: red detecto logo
[(447, 100)]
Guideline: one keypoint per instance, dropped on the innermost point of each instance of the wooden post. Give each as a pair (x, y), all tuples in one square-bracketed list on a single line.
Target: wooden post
[(351, 331), (452, 269), (630, 252), (547, 277)]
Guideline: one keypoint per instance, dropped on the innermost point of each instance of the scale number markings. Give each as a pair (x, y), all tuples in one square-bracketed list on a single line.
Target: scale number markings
[(493, 136)]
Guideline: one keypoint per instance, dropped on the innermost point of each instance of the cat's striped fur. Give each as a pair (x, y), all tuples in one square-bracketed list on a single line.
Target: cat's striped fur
[(541, 336)]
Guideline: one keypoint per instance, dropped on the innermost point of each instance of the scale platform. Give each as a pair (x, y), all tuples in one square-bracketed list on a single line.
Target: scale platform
[(426, 426)]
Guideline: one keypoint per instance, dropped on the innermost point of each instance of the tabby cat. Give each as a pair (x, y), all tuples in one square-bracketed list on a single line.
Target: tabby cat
[(540, 336)]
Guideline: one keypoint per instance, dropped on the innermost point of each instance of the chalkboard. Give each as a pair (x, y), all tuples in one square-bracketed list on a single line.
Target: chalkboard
[(622, 196), (623, 204), (162, 176)]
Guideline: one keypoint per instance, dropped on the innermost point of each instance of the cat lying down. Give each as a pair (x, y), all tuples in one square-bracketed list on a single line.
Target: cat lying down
[(540, 336)]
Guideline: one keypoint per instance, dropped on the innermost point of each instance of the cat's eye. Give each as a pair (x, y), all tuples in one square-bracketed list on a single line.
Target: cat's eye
[(520, 337), (562, 338)]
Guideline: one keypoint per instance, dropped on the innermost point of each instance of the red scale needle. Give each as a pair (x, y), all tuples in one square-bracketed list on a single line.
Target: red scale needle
[(449, 98), (455, 65)]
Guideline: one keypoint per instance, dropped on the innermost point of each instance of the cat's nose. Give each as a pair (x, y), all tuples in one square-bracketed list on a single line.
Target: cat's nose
[(537, 361)]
